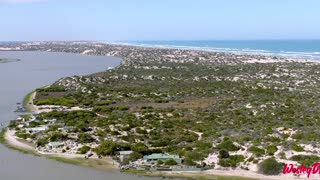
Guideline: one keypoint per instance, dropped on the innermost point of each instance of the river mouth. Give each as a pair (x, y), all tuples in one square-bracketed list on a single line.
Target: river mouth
[(34, 70)]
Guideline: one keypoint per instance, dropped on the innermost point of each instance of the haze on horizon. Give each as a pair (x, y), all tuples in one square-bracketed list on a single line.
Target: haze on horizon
[(32, 20)]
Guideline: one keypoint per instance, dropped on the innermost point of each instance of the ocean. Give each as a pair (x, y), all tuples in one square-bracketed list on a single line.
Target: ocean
[(300, 49)]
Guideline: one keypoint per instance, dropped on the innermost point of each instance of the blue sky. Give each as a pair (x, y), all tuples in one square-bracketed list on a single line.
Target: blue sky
[(111, 20)]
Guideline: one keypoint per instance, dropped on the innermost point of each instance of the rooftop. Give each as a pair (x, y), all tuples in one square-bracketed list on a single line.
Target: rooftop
[(161, 156), (125, 152), (55, 144)]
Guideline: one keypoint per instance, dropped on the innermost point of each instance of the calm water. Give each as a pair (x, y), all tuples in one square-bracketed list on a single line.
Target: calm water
[(307, 49), (37, 69)]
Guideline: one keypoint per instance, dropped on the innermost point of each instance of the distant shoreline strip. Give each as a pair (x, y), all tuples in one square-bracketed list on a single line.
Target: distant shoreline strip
[(245, 51)]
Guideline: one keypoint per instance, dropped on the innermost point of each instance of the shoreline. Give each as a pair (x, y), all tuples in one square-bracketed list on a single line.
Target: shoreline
[(28, 102), (9, 140), (191, 48), (227, 173), (219, 50)]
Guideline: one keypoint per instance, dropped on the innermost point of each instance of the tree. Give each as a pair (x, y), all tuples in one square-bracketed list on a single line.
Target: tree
[(85, 138), (159, 162), (42, 142), (189, 162), (135, 156), (107, 148), (231, 161), (270, 167), (223, 154), (191, 158), (58, 136), (140, 148), (170, 162), (228, 146)]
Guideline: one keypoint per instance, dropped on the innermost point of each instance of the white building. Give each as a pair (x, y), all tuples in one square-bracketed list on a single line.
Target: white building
[(37, 129), (124, 154)]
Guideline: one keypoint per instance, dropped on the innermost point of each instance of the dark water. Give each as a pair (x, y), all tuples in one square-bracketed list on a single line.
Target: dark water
[(306, 49), (37, 69)]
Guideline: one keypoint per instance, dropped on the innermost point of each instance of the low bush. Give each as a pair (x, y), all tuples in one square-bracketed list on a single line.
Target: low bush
[(270, 167), (84, 149), (231, 161), (257, 151)]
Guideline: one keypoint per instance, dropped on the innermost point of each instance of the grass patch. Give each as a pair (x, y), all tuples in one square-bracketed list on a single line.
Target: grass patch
[(93, 163), (24, 151), (27, 100), (74, 161)]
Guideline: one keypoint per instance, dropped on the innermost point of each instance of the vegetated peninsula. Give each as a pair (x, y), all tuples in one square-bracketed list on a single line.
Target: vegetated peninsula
[(181, 110)]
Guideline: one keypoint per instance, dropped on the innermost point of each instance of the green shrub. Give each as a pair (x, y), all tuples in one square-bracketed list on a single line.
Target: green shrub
[(228, 146), (23, 135), (188, 148), (223, 154), (85, 138), (270, 167), (58, 136), (140, 148), (123, 108), (159, 100), (191, 157), (103, 109), (52, 89), (107, 148), (304, 159), (231, 161), (203, 145), (170, 162), (271, 150), (180, 101), (159, 161), (257, 151), (42, 142), (135, 156), (12, 124), (297, 148), (56, 101), (84, 149)]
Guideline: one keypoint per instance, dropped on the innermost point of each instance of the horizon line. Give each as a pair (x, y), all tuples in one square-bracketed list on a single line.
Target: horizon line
[(306, 39)]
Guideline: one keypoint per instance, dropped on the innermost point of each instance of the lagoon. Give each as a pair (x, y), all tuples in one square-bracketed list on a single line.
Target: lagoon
[(34, 70)]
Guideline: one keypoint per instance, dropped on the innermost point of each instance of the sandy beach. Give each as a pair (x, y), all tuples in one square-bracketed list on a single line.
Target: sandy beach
[(105, 163), (11, 139)]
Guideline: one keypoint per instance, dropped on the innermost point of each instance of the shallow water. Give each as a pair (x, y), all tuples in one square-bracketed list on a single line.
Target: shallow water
[(38, 69)]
